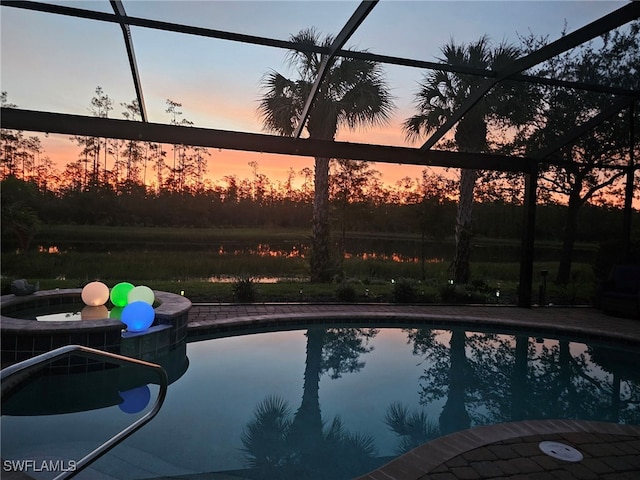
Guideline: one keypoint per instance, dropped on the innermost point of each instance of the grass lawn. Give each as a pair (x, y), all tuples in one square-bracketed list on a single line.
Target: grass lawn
[(186, 260)]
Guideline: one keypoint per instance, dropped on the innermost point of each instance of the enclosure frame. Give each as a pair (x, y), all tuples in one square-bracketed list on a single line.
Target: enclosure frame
[(425, 155)]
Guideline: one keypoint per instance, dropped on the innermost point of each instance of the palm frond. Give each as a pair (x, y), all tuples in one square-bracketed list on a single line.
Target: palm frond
[(414, 428), (359, 445), (504, 55), (441, 93), (308, 63), (282, 102), (353, 93), (335, 431), (396, 418), (350, 445), (264, 439)]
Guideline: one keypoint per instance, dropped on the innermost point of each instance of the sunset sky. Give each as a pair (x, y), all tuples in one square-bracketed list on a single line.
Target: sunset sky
[(54, 63)]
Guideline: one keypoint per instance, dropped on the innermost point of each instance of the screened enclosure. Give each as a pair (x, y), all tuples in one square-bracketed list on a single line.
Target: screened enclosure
[(53, 50)]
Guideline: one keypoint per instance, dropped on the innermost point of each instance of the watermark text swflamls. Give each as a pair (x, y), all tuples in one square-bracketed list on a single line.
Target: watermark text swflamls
[(39, 465)]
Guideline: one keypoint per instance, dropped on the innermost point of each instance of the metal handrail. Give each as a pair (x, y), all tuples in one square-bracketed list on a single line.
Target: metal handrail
[(27, 367)]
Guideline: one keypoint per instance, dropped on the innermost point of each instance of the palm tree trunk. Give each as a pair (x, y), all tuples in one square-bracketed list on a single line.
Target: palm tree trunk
[(320, 257), (463, 226)]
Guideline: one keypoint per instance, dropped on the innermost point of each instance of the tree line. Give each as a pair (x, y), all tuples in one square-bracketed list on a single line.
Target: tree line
[(108, 164), (424, 209)]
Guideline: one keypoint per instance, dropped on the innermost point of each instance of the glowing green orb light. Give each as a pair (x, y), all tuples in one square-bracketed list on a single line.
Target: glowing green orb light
[(120, 294)]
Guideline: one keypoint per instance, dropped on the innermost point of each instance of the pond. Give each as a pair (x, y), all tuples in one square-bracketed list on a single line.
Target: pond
[(409, 249), (333, 402)]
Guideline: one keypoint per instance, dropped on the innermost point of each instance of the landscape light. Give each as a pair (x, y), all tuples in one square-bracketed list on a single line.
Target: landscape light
[(95, 294)]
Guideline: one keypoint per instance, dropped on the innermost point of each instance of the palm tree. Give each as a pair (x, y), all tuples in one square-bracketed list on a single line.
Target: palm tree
[(440, 94), (353, 94)]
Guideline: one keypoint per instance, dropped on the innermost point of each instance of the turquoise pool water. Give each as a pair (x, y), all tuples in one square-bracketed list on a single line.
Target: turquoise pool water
[(325, 403)]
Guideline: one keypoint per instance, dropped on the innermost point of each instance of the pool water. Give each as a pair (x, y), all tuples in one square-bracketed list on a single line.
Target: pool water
[(332, 403)]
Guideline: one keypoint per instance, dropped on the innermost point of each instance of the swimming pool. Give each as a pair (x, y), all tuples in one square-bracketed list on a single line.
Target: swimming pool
[(331, 403)]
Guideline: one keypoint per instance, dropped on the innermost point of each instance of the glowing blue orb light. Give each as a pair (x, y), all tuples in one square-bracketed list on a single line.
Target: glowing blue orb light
[(138, 316), (135, 400)]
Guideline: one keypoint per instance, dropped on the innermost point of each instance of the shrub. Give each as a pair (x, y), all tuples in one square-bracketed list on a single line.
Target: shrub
[(477, 292), (346, 292), (5, 286), (404, 291), (452, 293), (244, 289)]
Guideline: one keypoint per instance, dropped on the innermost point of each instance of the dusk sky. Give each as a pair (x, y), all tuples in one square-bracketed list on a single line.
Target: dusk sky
[(54, 63)]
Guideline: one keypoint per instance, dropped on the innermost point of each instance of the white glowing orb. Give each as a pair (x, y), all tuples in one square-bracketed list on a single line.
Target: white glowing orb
[(141, 294), (95, 294)]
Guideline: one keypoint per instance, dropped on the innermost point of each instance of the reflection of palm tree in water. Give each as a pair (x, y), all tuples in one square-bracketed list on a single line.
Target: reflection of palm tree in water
[(279, 447), (487, 378), (623, 367), (306, 429), (454, 414), (415, 428)]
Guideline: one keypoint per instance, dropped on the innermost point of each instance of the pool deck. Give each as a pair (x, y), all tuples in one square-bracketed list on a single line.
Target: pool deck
[(583, 322), (505, 451), (511, 451)]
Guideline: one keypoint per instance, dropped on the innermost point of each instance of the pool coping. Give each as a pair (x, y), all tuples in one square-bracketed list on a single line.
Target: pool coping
[(585, 323)]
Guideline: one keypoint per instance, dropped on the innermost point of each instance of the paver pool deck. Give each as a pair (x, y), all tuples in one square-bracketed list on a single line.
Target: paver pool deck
[(585, 322), (506, 451)]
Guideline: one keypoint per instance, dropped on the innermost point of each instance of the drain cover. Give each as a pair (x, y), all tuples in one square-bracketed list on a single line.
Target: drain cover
[(560, 451)]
